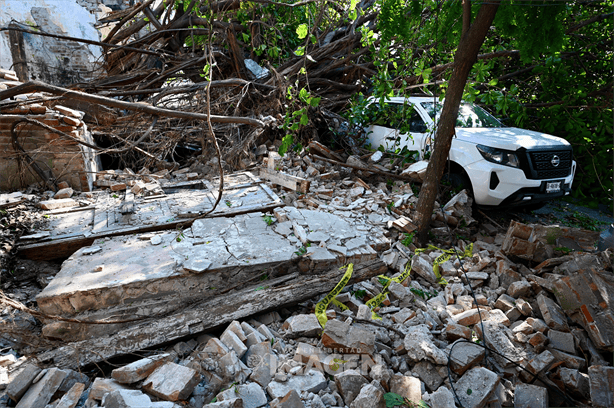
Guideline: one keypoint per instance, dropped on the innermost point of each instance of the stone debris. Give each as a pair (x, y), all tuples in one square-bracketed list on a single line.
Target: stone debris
[(540, 319)]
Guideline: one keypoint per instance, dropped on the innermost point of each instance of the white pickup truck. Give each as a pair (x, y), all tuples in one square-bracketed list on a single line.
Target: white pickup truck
[(502, 166)]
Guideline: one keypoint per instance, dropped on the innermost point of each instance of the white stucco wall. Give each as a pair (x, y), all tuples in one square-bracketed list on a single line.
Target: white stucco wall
[(46, 56)]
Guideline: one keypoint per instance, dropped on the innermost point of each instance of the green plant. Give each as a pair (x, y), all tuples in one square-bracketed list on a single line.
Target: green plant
[(564, 250), (408, 240), (578, 219), (296, 116), (228, 203), (359, 294), (392, 400), (303, 250), (390, 206), (424, 294), (269, 220), (115, 196)]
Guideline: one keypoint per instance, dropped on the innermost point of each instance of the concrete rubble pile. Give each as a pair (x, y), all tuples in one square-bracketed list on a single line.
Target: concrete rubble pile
[(522, 317)]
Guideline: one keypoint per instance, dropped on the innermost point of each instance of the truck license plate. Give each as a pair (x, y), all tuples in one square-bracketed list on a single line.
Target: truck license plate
[(553, 187)]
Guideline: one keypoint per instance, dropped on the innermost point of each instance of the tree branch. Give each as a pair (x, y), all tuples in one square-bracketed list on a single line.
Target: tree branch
[(36, 86)]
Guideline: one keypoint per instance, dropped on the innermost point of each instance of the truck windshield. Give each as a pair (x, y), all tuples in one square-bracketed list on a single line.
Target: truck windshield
[(469, 115)]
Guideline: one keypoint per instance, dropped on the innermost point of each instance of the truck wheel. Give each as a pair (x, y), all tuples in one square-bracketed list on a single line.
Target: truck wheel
[(458, 181)]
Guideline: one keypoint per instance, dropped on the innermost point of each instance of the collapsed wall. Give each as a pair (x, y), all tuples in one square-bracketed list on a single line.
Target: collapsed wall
[(62, 158), (47, 59)]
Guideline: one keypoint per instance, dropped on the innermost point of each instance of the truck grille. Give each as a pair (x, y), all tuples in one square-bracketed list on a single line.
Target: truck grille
[(550, 164)]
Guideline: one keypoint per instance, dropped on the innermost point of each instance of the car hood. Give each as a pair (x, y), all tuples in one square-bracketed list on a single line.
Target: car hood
[(509, 138)]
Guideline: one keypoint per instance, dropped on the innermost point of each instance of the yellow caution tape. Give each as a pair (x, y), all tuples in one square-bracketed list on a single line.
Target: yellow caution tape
[(373, 303), (323, 304), (377, 300), (339, 305), (447, 254)]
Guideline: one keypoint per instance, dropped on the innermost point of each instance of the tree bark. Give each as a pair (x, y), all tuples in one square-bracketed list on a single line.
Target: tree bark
[(465, 57)]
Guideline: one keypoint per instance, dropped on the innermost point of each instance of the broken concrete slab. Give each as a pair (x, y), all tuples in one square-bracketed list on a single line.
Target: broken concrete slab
[(587, 297), (575, 381), (139, 369), (303, 325), (57, 204), (311, 381), (465, 355), (530, 396), (243, 191), (39, 395), (126, 399), (419, 345), (348, 339), (290, 400), (552, 313), (476, 386), (197, 318), (370, 396), (102, 386), (243, 243), (72, 396), (406, 386), (171, 382), (349, 383), (601, 385), (22, 382), (251, 394)]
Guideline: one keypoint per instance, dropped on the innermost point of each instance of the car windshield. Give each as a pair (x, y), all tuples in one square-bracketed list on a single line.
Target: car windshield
[(469, 115)]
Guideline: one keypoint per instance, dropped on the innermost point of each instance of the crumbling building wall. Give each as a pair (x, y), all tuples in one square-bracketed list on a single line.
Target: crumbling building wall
[(66, 160), (50, 60)]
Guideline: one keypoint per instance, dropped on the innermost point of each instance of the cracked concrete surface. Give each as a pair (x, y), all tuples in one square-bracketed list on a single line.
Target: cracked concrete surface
[(213, 255)]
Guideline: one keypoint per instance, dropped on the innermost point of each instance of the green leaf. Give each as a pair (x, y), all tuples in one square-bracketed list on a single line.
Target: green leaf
[(303, 94), (493, 82), (314, 102), (302, 31), (469, 391), (304, 120), (300, 51), (392, 399)]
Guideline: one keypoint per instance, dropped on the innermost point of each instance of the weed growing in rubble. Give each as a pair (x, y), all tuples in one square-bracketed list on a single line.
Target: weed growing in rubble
[(392, 400), (303, 250), (269, 220), (408, 240), (390, 206), (359, 294), (424, 294)]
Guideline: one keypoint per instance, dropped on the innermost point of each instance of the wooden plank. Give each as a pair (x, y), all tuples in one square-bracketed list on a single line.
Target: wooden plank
[(404, 224), (285, 180), (208, 315), (319, 148)]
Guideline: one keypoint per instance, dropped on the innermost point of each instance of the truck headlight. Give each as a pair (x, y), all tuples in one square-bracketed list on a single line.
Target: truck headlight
[(499, 156)]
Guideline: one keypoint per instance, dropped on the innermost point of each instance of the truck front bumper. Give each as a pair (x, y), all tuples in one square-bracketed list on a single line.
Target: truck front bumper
[(498, 185)]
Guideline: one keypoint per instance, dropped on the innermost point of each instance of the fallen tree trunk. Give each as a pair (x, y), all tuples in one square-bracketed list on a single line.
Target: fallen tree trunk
[(215, 312), (37, 86)]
